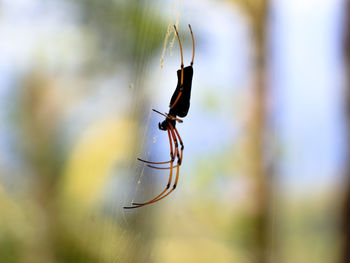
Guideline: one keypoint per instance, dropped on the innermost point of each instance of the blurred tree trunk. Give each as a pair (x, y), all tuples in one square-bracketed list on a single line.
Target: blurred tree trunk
[(346, 212), (39, 148), (257, 133), (259, 170)]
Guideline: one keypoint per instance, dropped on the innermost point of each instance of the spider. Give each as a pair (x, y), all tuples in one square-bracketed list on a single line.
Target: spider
[(179, 106)]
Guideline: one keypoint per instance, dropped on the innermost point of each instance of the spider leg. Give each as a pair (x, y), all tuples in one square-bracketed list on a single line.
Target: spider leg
[(192, 44), (163, 114), (161, 168), (170, 175), (160, 197), (177, 99), (175, 183), (182, 59), (168, 117), (145, 161), (150, 162), (157, 198), (181, 143), (179, 158), (156, 167), (153, 162), (182, 71)]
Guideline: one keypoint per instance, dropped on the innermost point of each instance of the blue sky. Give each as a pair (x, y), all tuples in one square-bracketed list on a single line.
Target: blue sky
[(308, 81)]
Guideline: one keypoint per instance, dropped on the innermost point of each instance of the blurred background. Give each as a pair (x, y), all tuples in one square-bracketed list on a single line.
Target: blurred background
[(265, 176)]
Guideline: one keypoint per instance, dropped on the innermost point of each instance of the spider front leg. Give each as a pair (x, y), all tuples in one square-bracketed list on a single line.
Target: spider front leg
[(171, 168), (179, 159), (171, 154), (136, 205), (160, 197), (170, 118)]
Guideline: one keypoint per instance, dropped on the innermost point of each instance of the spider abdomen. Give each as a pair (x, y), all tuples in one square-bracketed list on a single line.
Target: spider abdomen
[(183, 104)]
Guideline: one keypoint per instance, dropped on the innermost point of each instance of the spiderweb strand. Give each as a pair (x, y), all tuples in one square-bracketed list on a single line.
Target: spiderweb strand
[(170, 30)]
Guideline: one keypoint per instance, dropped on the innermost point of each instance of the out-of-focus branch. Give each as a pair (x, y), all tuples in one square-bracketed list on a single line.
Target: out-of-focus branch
[(346, 211), (256, 11)]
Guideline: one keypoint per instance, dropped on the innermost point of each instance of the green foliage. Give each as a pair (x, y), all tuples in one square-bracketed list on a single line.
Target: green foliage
[(9, 248)]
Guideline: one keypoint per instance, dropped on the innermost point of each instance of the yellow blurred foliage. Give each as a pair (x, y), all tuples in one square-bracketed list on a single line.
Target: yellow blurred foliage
[(194, 250), (92, 159)]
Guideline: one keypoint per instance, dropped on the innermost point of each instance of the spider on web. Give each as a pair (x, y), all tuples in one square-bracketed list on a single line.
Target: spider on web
[(179, 106)]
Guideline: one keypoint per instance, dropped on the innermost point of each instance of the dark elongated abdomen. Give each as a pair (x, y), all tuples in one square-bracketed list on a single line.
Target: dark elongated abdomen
[(183, 104)]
